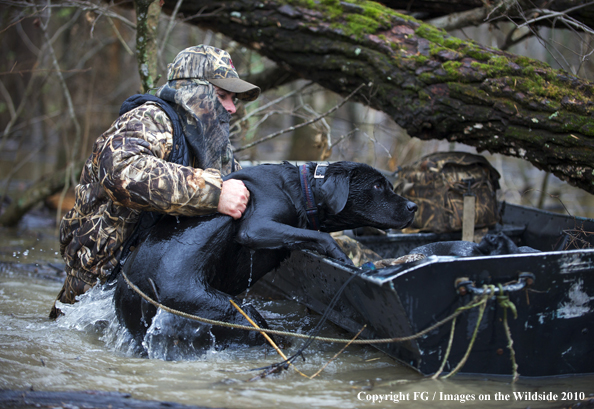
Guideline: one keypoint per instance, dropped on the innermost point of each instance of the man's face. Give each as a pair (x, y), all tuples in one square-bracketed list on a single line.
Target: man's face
[(226, 98)]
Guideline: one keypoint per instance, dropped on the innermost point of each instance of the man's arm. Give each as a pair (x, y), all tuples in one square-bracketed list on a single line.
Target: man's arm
[(134, 172)]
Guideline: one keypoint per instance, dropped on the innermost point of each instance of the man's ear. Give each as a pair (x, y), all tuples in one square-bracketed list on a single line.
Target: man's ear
[(335, 192)]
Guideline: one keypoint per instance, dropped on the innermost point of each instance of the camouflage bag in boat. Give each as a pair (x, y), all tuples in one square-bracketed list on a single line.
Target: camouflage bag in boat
[(438, 183)]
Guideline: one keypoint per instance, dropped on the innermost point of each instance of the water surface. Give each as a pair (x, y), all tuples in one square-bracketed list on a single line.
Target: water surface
[(84, 351)]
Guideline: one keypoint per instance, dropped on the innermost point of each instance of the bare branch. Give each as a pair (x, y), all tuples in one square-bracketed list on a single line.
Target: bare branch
[(513, 38), (8, 100), (301, 125), (201, 15), (25, 38), (547, 14), (276, 101), (119, 36), (463, 19), (169, 28), (67, 96), (472, 17), (18, 167), (28, 90), (82, 5)]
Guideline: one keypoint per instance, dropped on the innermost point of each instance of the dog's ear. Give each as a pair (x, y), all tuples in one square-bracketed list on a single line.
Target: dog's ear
[(335, 192)]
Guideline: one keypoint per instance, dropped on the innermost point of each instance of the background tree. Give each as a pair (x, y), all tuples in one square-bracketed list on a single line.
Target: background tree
[(435, 85)]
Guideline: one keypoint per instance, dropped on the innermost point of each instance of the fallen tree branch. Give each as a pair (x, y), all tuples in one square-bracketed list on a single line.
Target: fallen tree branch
[(473, 17)]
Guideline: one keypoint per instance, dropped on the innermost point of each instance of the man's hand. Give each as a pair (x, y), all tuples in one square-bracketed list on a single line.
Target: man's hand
[(234, 198)]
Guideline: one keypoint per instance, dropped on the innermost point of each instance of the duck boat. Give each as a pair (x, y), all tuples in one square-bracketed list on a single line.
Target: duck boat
[(552, 291)]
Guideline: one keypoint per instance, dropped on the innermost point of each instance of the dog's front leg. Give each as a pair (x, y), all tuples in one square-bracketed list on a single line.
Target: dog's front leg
[(268, 234)]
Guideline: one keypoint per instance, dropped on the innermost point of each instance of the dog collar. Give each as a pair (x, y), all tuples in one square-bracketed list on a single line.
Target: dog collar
[(311, 208)]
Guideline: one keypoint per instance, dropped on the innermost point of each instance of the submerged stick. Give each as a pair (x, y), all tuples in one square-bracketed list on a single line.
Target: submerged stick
[(338, 353), (265, 335)]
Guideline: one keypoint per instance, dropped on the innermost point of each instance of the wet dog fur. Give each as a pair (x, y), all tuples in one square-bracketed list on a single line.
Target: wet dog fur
[(196, 264)]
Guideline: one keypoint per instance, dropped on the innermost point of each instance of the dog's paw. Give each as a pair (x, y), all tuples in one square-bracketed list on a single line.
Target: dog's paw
[(339, 255)]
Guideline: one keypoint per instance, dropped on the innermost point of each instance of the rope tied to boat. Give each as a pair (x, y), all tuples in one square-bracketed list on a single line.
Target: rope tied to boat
[(286, 333), (505, 303), (479, 301)]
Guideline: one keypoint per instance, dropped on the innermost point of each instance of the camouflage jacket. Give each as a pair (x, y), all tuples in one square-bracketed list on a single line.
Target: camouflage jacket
[(126, 174)]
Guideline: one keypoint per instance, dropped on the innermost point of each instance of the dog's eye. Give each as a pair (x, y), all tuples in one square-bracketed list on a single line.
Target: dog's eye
[(378, 187)]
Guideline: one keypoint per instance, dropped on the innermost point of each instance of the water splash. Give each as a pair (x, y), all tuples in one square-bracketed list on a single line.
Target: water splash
[(167, 338), (95, 313)]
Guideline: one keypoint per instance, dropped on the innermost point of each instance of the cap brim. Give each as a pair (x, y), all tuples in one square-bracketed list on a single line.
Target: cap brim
[(243, 89)]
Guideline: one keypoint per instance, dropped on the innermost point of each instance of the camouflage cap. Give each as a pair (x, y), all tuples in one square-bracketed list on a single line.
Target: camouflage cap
[(214, 65)]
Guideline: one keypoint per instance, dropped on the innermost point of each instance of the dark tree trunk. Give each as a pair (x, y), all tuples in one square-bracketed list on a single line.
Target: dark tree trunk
[(434, 85), (439, 8), (36, 193)]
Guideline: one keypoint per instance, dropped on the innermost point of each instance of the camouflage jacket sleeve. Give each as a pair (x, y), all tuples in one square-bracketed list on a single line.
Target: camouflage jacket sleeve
[(132, 167)]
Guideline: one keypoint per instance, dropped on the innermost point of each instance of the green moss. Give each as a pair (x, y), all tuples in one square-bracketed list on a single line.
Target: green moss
[(423, 95), (435, 49), (442, 40), (489, 69), (537, 85), (499, 60), (431, 33), (366, 17), (476, 53), (453, 42), (534, 77), (421, 59), (428, 78), (379, 13), (470, 93), (452, 68), (359, 24)]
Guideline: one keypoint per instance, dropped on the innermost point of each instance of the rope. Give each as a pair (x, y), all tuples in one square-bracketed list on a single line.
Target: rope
[(286, 333), (506, 303), (482, 307), (477, 302)]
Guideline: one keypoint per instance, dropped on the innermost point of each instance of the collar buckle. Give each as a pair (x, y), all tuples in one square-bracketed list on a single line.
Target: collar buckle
[(320, 173)]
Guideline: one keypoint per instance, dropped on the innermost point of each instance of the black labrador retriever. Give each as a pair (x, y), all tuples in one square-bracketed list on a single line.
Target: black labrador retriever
[(197, 264)]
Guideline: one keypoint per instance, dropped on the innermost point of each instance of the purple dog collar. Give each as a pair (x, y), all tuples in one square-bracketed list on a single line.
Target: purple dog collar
[(310, 202)]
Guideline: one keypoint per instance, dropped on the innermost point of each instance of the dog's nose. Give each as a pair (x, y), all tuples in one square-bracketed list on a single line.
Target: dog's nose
[(411, 207)]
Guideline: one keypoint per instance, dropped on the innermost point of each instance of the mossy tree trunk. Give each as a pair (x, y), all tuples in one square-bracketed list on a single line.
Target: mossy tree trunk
[(147, 21), (432, 84)]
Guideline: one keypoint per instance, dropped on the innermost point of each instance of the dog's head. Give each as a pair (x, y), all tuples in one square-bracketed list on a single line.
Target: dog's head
[(355, 195)]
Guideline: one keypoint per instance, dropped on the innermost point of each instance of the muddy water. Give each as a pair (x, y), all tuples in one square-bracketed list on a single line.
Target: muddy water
[(84, 351)]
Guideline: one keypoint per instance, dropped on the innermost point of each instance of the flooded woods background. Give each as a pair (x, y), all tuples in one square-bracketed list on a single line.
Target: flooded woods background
[(66, 71)]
